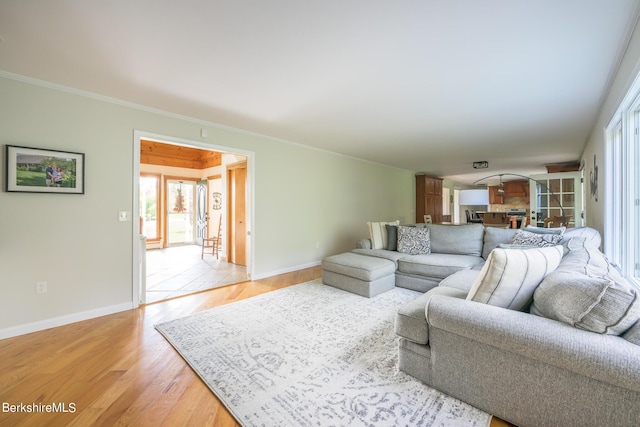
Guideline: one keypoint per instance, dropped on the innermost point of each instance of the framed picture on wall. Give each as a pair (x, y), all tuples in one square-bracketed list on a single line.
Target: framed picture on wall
[(37, 170)]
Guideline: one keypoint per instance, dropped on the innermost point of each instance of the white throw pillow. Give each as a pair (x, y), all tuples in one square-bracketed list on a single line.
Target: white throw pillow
[(509, 277), (378, 233)]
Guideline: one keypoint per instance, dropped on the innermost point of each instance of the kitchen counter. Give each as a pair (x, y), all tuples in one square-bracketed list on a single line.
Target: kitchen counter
[(494, 217)]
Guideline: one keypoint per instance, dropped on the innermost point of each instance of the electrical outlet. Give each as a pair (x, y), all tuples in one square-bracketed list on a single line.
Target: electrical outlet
[(41, 287)]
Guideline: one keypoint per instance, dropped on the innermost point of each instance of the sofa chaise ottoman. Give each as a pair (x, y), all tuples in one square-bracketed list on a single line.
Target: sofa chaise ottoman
[(362, 275)]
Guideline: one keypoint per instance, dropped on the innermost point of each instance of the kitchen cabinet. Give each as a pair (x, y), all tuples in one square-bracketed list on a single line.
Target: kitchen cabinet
[(516, 188), (494, 218), (494, 197), (511, 189), (428, 198)]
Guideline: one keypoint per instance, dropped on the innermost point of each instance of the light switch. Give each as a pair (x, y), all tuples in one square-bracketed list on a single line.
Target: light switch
[(123, 216)]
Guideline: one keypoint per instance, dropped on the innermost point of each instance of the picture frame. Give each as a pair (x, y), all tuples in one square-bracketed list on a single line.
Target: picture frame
[(39, 170)]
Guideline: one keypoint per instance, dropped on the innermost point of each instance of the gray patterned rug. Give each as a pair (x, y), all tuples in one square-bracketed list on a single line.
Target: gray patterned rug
[(312, 355)]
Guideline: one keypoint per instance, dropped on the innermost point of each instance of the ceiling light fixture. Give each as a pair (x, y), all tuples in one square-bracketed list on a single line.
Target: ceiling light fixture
[(481, 165), (500, 187)]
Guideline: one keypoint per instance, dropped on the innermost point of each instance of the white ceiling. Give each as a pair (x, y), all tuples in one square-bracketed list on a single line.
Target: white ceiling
[(424, 85)]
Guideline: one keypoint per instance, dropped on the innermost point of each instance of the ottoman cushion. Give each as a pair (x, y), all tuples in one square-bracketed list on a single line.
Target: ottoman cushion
[(359, 266)]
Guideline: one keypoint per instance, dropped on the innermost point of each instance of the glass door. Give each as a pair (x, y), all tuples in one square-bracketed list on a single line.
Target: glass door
[(180, 212), (554, 193)]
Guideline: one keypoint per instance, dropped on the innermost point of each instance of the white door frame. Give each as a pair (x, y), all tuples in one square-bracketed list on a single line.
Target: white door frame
[(579, 211), (138, 285)]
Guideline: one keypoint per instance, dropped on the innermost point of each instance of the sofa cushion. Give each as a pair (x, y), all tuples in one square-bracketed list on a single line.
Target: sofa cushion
[(510, 276), (591, 235), (633, 334), (462, 279), (378, 233), (436, 265), (413, 240), (493, 236), (601, 304), (381, 253), (457, 239), (411, 321), (545, 230), (584, 259), (523, 237)]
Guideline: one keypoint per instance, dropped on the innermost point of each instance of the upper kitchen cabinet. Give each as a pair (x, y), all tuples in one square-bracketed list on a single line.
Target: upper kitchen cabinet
[(516, 188)]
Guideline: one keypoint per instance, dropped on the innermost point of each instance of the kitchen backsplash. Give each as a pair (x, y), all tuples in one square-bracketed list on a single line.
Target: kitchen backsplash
[(511, 203)]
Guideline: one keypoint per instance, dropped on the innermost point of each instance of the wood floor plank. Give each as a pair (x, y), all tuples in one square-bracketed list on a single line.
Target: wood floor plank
[(118, 370)]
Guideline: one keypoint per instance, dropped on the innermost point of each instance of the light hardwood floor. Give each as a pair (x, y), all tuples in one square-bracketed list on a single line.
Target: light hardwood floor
[(117, 370)]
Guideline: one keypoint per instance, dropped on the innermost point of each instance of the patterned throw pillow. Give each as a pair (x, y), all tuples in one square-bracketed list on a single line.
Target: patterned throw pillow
[(414, 240), (526, 238)]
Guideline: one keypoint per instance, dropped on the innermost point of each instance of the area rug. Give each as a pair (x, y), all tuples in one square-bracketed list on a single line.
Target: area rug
[(312, 355)]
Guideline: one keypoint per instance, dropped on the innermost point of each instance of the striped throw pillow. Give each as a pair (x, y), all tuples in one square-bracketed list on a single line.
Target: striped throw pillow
[(509, 277)]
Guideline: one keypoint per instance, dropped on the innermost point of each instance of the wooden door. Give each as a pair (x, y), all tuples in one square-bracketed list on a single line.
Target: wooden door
[(237, 227)]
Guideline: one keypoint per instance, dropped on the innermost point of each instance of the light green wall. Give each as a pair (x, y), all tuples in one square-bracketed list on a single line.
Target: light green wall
[(303, 196), (627, 73)]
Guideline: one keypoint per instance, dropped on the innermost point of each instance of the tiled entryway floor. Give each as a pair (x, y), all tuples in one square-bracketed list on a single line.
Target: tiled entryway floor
[(178, 271)]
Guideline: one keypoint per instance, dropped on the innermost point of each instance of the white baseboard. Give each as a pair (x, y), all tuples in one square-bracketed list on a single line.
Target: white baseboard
[(28, 328), (41, 325), (285, 270)]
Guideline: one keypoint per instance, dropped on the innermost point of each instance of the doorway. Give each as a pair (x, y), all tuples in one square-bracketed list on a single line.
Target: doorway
[(180, 204), (557, 195), (183, 228)]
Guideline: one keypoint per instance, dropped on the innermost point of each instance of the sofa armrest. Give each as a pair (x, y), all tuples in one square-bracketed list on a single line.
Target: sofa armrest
[(607, 358), (363, 244)]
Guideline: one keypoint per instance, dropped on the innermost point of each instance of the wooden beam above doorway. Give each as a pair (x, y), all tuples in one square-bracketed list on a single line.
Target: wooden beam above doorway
[(157, 153)]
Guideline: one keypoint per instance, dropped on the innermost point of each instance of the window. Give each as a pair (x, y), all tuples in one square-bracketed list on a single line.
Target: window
[(622, 216), (149, 197)]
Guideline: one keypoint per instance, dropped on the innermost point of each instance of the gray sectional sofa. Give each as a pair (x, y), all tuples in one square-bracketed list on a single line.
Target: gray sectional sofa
[(568, 356)]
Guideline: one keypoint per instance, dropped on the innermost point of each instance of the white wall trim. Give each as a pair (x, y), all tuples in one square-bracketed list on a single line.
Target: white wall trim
[(116, 101), (286, 270), (41, 325)]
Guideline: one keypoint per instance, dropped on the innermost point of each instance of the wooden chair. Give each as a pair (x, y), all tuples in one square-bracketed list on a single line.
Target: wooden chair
[(213, 242), (513, 222), (473, 217), (554, 221), (523, 222)]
